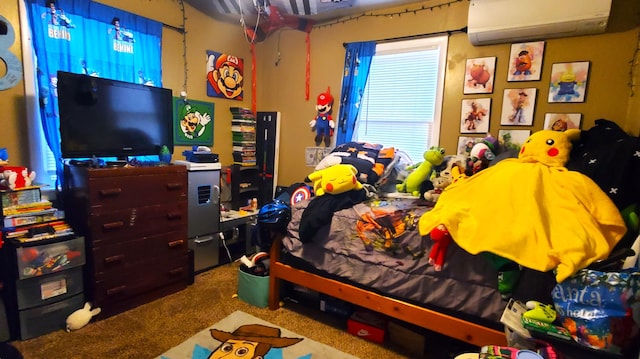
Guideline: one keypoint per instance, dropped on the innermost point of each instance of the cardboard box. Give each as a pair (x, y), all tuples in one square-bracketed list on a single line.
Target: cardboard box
[(368, 325), (414, 343)]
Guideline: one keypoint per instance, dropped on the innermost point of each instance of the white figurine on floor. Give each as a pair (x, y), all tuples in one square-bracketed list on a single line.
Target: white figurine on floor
[(81, 317)]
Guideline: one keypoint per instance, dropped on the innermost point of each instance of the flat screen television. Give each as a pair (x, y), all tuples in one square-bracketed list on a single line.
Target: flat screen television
[(100, 117)]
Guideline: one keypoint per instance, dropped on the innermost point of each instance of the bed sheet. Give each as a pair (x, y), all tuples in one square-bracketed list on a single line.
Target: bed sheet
[(376, 244)]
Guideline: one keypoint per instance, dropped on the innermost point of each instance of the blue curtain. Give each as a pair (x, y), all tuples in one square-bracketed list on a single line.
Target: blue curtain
[(357, 62), (82, 36)]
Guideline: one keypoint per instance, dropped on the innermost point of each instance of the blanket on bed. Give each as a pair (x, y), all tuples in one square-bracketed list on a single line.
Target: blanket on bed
[(531, 210)]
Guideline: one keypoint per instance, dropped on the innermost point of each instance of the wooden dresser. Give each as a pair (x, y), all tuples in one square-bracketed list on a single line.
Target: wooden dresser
[(135, 225)]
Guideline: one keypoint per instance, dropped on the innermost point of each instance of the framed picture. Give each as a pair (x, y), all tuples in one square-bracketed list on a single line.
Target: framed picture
[(465, 144), (475, 115), (562, 121), (517, 106), (192, 122), (225, 76), (513, 139), (568, 81), (479, 74), (525, 61)]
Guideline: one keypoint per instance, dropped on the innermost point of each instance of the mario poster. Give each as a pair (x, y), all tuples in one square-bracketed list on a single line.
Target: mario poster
[(192, 122), (225, 76)]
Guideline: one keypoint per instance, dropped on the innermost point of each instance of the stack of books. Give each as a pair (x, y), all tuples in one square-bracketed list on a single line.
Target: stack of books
[(27, 217), (243, 127)]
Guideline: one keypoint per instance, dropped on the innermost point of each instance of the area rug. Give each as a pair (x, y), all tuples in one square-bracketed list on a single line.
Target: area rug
[(249, 337)]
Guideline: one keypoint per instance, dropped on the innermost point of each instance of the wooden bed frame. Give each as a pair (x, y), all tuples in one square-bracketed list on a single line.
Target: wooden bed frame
[(426, 318)]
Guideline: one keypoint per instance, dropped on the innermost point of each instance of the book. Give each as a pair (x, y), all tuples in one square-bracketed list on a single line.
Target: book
[(38, 231), (26, 208), (23, 219), (20, 196)]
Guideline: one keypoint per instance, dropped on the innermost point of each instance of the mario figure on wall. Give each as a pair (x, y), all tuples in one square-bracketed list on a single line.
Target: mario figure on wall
[(323, 123)]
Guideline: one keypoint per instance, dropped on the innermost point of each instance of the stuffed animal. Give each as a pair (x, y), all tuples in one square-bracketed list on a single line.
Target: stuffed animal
[(323, 124), (15, 177), (81, 317), (481, 155), (434, 156), (335, 180), (441, 238), (439, 184)]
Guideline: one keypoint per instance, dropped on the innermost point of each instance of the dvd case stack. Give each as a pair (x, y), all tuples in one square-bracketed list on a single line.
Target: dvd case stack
[(243, 127)]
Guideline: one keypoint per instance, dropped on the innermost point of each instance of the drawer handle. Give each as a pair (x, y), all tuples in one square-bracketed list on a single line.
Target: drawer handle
[(176, 271), (116, 290), (113, 225), (110, 192), (116, 258), (173, 186), (174, 215), (177, 243)]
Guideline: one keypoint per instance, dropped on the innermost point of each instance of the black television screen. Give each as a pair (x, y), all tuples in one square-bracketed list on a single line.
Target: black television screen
[(108, 118)]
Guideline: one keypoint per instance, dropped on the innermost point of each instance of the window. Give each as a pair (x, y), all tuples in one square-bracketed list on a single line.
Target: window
[(402, 101)]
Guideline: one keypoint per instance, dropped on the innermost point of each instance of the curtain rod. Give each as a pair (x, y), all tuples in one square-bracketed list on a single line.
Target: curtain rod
[(174, 28), (448, 32)]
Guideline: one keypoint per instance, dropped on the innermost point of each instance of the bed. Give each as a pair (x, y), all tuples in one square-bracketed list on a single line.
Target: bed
[(381, 263), (363, 258)]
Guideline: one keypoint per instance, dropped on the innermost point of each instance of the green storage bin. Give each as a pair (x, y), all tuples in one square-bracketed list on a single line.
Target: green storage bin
[(253, 289)]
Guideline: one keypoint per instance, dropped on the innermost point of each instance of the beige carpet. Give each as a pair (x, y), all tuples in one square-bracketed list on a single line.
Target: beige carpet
[(154, 328)]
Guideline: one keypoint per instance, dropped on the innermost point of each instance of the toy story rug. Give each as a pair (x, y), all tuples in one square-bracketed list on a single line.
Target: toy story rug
[(241, 335)]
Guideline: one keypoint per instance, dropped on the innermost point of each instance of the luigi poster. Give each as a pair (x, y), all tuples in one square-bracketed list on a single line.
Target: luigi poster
[(193, 122)]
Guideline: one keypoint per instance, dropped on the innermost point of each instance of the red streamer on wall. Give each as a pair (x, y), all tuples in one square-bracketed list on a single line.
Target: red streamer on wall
[(308, 70), (253, 78)]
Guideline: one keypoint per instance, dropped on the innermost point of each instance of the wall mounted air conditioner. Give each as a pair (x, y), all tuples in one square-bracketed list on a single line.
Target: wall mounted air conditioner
[(504, 21)]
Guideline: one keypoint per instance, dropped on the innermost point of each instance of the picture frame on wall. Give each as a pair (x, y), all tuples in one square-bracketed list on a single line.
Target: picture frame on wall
[(525, 61), (513, 139), (479, 75), (518, 106), (475, 115), (562, 121), (465, 144), (568, 82), (192, 122)]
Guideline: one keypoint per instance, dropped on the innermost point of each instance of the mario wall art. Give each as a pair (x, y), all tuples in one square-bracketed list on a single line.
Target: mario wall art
[(225, 76)]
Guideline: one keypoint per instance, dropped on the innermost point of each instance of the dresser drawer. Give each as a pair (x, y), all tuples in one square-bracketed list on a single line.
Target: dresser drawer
[(124, 257), (50, 288), (140, 278), (133, 191), (123, 225), (36, 259)]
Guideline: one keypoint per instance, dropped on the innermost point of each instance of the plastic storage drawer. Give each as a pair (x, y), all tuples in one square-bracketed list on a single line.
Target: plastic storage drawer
[(49, 318), (36, 260), (49, 288)]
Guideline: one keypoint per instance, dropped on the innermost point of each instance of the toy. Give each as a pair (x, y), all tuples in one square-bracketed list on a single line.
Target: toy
[(323, 123), (15, 177), (441, 238), (4, 156), (540, 311), (335, 180), (482, 153), (81, 317), (439, 184), (534, 193), (434, 156)]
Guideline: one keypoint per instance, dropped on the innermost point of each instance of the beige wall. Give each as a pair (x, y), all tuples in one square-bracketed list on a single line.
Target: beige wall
[(281, 86)]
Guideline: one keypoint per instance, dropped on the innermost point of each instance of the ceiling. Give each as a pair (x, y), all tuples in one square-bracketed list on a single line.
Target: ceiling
[(318, 11)]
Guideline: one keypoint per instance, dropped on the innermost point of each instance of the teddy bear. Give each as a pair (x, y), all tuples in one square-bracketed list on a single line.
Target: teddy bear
[(439, 184)]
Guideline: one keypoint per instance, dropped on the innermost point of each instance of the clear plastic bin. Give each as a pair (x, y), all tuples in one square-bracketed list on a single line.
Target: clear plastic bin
[(36, 260)]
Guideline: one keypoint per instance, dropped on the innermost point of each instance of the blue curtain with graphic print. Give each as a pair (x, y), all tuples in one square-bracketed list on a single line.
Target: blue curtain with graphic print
[(82, 36), (357, 62)]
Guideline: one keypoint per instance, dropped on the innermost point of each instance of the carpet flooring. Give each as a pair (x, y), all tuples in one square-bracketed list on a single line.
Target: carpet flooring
[(153, 328)]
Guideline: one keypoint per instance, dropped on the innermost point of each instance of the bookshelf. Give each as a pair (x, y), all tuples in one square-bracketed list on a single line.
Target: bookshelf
[(243, 129)]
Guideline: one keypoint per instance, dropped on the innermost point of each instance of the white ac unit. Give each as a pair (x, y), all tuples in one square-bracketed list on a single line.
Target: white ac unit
[(504, 21)]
